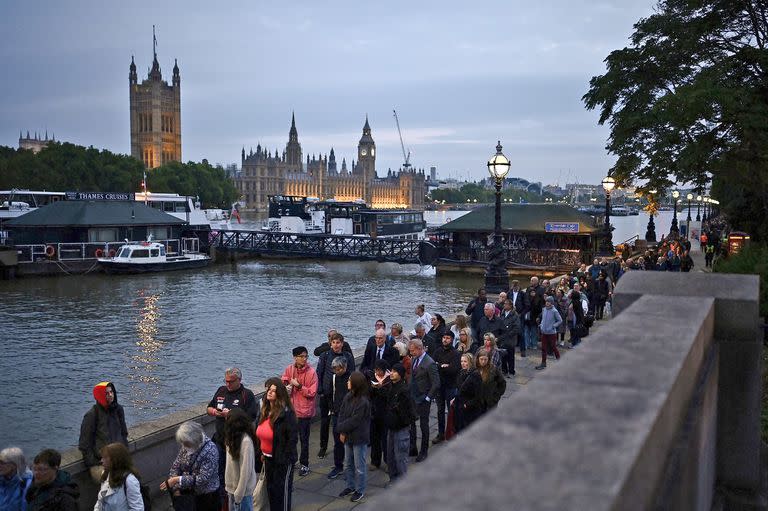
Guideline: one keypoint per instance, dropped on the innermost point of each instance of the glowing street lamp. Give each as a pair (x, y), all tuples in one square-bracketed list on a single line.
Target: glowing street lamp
[(496, 275), (606, 245)]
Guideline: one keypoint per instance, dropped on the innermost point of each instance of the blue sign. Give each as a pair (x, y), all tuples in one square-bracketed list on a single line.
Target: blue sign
[(567, 227)]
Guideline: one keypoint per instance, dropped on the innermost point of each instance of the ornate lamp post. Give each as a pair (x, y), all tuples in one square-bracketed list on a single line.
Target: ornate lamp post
[(606, 244), (496, 276), (690, 198), (674, 230), (698, 208), (650, 233)]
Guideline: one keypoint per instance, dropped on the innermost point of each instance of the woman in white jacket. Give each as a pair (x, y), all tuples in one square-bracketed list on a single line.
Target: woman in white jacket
[(239, 475), (120, 489)]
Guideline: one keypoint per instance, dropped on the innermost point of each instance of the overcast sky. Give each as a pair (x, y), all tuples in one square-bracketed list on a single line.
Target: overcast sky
[(461, 75)]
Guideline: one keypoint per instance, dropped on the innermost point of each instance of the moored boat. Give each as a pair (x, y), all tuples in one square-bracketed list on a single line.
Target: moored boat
[(148, 257)]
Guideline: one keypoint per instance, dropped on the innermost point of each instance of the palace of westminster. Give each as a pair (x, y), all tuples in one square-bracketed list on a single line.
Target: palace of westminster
[(155, 118)]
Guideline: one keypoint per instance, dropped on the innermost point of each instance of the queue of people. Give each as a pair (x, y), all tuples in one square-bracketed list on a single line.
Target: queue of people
[(377, 414)]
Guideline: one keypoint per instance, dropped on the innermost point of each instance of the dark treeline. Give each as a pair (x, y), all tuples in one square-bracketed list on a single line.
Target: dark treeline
[(68, 167)]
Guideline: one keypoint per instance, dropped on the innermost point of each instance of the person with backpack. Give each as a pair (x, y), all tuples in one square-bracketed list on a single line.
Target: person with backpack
[(120, 487), (103, 424)]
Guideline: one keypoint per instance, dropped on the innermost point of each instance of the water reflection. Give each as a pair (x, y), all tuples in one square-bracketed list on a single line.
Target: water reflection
[(144, 382)]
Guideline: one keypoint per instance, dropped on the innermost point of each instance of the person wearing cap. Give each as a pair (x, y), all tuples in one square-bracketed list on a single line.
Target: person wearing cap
[(550, 320), (401, 412), (300, 381), (102, 425)]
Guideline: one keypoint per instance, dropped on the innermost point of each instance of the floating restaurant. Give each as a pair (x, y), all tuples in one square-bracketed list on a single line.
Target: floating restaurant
[(68, 235), (539, 239)]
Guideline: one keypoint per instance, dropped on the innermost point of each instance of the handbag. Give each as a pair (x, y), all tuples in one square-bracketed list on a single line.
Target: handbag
[(260, 499), (450, 428), (185, 500)]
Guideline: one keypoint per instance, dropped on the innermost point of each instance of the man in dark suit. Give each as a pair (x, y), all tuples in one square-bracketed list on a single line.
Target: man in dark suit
[(379, 350), (425, 384)]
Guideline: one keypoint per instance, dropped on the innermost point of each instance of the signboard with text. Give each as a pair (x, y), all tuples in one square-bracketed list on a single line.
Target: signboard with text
[(564, 227), (99, 196)]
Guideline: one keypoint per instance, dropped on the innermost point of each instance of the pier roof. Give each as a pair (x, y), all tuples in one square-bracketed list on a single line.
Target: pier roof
[(530, 218), (88, 213)]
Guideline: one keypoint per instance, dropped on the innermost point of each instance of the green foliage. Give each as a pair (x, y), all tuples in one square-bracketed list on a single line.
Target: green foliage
[(211, 184), (471, 191), (688, 99), (67, 167), (753, 259)]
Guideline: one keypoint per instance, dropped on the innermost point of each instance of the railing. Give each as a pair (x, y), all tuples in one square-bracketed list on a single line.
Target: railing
[(84, 251), (326, 246), (532, 257)]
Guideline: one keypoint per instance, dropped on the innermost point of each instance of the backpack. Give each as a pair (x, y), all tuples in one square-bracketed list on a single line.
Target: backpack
[(145, 498)]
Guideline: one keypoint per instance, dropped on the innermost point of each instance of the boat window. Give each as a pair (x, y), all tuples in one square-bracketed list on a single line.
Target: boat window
[(102, 235), (169, 207), (140, 253), (124, 252), (162, 251), (158, 233), (154, 252)]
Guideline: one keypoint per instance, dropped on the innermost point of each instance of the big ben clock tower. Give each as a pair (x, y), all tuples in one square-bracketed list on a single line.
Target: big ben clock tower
[(366, 161)]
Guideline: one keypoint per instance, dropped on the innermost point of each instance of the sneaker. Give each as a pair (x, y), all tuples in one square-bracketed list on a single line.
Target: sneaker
[(303, 471), (357, 497), (438, 439), (321, 453), (540, 367), (346, 491), (335, 472), (522, 354)]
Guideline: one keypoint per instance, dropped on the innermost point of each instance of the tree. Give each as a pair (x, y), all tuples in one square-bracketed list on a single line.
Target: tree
[(687, 101)]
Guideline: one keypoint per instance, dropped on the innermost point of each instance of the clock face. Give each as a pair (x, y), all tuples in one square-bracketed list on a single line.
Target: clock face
[(363, 152), (373, 151)]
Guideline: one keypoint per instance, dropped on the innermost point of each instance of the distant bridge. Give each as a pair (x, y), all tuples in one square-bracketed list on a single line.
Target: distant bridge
[(324, 246)]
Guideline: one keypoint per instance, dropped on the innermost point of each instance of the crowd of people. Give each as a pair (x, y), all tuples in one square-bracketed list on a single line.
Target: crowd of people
[(377, 414)]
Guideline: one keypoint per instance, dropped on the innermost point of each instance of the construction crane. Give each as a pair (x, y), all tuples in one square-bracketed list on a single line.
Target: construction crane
[(406, 157)]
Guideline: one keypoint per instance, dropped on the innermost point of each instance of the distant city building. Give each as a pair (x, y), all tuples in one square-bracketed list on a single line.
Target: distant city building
[(155, 114), (554, 190), (450, 184), (433, 173), (264, 173), (36, 143)]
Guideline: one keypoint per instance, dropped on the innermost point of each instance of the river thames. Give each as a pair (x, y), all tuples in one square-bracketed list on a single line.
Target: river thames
[(165, 339)]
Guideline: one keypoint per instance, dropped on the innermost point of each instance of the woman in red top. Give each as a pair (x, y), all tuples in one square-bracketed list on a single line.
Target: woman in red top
[(277, 436)]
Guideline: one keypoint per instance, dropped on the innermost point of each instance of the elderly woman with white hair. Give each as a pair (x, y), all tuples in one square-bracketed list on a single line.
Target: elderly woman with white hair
[(194, 474), (15, 479)]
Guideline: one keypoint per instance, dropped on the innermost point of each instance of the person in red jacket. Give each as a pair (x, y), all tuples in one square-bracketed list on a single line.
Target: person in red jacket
[(300, 380)]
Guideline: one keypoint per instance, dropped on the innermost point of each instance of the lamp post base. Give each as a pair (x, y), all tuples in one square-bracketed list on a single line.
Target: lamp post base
[(650, 233), (606, 247), (496, 275), (674, 230)]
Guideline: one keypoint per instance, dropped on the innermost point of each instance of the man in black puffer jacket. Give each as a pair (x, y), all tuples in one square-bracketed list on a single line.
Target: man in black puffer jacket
[(448, 360)]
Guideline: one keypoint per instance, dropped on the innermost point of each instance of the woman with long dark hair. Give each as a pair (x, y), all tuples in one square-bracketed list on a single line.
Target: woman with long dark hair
[(120, 489), (493, 385), (433, 339), (277, 436), (354, 428), (576, 318), (239, 474)]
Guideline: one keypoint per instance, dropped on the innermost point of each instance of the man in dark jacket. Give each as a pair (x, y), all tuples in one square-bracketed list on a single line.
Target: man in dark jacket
[(325, 385), (489, 324), (335, 397), (103, 424), (425, 383), (448, 361), (475, 308), (379, 350), (326, 346), (52, 489), (400, 415), (509, 336)]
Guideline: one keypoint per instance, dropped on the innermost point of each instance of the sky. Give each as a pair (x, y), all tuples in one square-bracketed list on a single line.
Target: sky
[(461, 76)]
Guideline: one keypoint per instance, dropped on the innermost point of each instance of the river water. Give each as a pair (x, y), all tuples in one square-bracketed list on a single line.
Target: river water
[(165, 339)]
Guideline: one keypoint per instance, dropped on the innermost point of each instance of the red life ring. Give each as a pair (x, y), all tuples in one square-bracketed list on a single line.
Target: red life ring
[(112, 252), (99, 252), (50, 251)]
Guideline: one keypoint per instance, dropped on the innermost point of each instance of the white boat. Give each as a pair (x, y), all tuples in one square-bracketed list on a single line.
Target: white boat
[(181, 206), (149, 257), (16, 202)]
